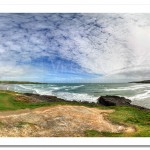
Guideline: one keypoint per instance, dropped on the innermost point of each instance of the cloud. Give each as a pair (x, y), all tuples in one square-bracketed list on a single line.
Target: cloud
[(12, 70), (114, 46)]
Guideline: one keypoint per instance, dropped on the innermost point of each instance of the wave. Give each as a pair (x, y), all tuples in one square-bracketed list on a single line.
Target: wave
[(43, 92), (141, 96), (76, 96), (144, 103), (76, 87), (55, 91), (70, 92), (135, 87)]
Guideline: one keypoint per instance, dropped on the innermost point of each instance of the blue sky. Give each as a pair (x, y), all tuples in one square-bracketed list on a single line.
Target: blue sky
[(74, 47)]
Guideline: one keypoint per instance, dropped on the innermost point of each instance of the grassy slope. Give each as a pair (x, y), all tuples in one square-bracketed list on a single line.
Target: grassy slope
[(123, 115), (127, 116), (8, 102)]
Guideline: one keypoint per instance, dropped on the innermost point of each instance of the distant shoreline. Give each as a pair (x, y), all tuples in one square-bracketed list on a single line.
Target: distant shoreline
[(30, 82), (21, 82), (144, 81)]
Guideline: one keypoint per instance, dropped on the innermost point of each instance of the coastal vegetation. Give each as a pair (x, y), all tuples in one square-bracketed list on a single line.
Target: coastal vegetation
[(10, 100), (144, 81), (127, 116)]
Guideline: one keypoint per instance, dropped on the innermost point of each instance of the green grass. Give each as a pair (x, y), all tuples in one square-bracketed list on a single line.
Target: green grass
[(94, 133), (128, 116), (8, 102), (133, 117), (124, 115)]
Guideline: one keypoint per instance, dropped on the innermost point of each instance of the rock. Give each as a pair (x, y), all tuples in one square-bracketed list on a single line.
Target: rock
[(49, 98), (113, 101), (44, 98), (117, 101), (56, 121)]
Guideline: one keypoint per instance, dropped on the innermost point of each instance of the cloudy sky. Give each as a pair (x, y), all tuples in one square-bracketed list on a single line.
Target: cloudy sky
[(75, 47)]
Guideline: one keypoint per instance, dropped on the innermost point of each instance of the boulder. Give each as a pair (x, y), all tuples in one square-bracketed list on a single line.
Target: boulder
[(113, 101)]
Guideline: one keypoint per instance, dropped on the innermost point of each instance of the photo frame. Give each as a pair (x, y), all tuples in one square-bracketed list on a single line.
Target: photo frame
[(78, 18)]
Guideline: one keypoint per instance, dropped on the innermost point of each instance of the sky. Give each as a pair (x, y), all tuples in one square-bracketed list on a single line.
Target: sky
[(76, 47)]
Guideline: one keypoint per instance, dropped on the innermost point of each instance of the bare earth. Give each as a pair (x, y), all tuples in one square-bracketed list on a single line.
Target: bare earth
[(56, 121)]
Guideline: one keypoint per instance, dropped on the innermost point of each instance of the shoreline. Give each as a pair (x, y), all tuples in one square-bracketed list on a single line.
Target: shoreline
[(137, 93), (50, 98)]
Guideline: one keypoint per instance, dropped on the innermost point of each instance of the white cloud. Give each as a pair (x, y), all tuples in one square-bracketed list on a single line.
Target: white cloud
[(12, 70)]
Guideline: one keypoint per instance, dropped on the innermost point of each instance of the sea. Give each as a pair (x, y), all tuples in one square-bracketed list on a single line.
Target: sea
[(138, 93)]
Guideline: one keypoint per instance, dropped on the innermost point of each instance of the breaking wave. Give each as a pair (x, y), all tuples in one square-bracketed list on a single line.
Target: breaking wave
[(76, 96), (139, 93)]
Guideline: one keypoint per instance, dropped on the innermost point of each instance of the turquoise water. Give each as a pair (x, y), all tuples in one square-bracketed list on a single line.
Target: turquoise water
[(138, 93)]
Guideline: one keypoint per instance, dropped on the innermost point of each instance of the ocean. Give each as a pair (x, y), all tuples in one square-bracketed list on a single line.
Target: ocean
[(139, 94)]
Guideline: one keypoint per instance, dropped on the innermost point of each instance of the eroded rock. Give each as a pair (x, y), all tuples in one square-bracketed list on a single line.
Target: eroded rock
[(56, 121)]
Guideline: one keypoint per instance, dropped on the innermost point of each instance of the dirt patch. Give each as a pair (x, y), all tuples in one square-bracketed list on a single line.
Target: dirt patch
[(56, 121)]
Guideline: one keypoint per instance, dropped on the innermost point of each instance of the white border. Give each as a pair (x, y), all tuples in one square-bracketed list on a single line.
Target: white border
[(74, 2), (75, 141), (101, 8), (74, 6)]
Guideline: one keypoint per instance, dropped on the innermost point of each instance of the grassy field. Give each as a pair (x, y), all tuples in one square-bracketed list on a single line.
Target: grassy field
[(128, 116)]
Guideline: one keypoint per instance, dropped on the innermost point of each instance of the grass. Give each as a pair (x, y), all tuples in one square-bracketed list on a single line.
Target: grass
[(1, 124), (21, 124), (94, 133), (124, 115), (128, 116), (8, 102), (133, 117)]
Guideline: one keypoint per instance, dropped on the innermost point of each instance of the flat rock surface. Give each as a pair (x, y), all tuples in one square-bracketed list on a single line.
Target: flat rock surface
[(56, 121)]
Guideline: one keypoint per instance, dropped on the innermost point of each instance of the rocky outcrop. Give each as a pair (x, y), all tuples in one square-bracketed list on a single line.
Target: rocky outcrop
[(57, 121), (109, 100), (36, 98), (113, 101), (44, 98)]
